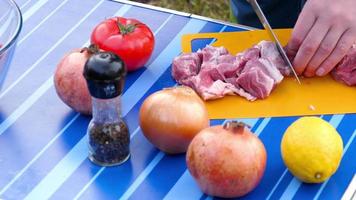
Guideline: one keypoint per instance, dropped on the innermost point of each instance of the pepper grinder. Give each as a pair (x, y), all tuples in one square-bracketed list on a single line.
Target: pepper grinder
[(108, 134)]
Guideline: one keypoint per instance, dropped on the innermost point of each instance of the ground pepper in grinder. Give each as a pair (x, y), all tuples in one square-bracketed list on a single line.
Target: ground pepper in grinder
[(108, 134)]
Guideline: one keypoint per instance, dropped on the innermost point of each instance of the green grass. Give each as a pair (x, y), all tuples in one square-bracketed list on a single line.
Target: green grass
[(217, 9)]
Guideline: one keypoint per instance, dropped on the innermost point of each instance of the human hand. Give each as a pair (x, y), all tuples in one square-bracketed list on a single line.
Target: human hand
[(324, 32)]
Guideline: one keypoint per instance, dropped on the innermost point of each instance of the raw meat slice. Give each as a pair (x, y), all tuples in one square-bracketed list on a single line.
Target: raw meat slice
[(256, 82), (217, 90), (227, 58), (202, 80), (269, 51), (228, 70), (190, 82), (232, 80), (271, 70), (211, 54), (345, 71), (238, 90), (225, 67), (248, 54), (259, 77), (213, 73), (185, 66), (229, 65), (245, 94), (207, 88), (252, 53), (266, 66)]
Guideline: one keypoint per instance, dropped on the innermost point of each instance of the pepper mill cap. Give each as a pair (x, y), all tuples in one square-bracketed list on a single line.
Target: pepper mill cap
[(105, 74)]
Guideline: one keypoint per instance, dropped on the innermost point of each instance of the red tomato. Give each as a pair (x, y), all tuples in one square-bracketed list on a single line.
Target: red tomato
[(130, 39)]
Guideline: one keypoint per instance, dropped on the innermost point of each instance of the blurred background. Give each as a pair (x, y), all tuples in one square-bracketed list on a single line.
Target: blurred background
[(217, 9)]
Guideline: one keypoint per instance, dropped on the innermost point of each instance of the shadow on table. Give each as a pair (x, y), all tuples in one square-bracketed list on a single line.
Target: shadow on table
[(120, 178), (74, 128), (2, 116)]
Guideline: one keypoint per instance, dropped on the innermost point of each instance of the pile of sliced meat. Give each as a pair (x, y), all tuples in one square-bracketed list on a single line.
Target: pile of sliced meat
[(345, 71), (213, 72)]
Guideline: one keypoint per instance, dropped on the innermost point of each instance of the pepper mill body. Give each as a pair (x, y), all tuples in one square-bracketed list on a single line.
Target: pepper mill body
[(108, 135)]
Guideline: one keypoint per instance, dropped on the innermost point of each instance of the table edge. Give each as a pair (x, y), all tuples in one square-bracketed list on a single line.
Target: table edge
[(184, 14)]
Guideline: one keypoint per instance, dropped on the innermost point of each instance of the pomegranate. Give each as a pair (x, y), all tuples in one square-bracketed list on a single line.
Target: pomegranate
[(226, 161), (69, 82)]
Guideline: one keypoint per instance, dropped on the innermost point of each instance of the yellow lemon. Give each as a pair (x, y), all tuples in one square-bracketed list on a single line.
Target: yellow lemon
[(311, 149)]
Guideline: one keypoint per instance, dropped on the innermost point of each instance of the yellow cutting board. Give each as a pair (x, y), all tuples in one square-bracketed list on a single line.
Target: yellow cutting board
[(315, 96)]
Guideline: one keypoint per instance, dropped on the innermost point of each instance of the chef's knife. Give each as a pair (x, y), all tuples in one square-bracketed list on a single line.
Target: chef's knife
[(268, 28)]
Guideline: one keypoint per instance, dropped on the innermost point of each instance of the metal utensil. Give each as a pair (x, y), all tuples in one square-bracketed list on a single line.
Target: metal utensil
[(261, 16)]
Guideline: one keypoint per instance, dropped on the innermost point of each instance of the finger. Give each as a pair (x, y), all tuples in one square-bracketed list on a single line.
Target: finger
[(310, 45), (343, 46), (301, 29), (324, 50)]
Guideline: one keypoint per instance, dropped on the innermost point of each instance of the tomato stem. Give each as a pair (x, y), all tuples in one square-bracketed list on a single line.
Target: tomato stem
[(126, 29)]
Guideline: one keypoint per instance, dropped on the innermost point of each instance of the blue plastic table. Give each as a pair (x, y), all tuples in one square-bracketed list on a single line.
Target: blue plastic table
[(43, 152)]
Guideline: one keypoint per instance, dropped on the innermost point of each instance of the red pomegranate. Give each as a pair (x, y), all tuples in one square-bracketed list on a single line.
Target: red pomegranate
[(226, 161), (69, 82)]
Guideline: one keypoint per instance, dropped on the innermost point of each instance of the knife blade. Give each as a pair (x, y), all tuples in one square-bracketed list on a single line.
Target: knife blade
[(256, 7)]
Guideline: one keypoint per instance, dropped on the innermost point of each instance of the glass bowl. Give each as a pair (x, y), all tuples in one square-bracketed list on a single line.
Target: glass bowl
[(10, 27)]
